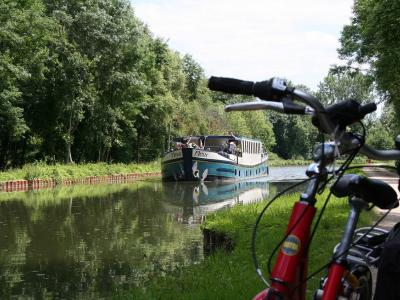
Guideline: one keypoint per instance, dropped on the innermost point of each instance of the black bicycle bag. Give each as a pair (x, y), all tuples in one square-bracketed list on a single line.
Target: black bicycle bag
[(388, 279)]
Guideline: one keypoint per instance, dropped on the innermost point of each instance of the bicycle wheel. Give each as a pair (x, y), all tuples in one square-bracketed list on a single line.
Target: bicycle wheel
[(364, 289)]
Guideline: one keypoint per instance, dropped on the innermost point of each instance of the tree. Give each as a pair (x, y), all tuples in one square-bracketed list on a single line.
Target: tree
[(383, 130), (294, 135), (194, 74), (346, 85), (372, 39), (25, 34)]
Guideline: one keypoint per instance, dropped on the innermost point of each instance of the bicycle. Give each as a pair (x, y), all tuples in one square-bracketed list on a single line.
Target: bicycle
[(348, 275)]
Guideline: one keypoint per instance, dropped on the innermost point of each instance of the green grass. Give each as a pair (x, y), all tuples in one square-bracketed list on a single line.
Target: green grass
[(232, 276), (76, 171), (275, 161)]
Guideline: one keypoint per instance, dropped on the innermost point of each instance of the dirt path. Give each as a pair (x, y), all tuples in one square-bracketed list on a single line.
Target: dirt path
[(392, 179)]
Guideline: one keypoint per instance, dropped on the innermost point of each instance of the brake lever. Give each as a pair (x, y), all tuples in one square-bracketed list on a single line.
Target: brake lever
[(255, 105), (286, 106), (289, 107)]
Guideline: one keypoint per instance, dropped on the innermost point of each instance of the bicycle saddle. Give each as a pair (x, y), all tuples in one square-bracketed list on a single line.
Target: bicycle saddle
[(372, 191)]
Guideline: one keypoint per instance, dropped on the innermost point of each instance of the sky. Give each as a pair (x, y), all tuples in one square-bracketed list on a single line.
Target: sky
[(252, 39)]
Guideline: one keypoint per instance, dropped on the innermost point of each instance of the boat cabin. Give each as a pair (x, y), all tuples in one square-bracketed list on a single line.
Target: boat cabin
[(221, 144)]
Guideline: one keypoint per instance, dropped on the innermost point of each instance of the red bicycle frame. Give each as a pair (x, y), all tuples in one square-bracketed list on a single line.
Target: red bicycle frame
[(289, 275), (290, 271)]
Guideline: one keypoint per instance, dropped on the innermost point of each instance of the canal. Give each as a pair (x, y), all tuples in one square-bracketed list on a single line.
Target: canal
[(89, 241)]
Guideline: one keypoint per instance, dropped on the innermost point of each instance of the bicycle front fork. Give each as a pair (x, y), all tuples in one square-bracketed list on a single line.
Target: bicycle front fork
[(333, 286)]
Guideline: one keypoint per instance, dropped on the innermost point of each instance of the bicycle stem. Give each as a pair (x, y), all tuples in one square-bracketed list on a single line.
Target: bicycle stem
[(357, 205)]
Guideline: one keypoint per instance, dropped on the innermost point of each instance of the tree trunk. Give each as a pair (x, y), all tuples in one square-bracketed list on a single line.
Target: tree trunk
[(68, 158), (3, 151), (137, 148)]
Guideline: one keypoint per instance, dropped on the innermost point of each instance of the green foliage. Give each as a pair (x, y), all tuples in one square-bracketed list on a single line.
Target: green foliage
[(345, 85), (372, 38), (86, 81), (76, 171), (295, 136), (275, 161)]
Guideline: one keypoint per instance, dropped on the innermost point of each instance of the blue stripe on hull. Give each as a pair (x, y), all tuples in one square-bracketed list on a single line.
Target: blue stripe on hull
[(182, 170)]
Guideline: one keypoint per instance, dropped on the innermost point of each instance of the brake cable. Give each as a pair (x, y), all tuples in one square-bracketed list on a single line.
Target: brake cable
[(254, 235), (341, 171)]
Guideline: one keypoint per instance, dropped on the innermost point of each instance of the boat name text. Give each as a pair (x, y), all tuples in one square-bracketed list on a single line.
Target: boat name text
[(200, 154)]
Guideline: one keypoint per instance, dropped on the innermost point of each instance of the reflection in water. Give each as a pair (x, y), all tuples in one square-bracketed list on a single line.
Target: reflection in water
[(88, 241), (200, 198)]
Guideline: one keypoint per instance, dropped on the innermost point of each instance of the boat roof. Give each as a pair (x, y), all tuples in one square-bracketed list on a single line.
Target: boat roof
[(209, 137)]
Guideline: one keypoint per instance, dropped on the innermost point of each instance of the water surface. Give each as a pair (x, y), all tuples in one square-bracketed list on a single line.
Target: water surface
[(88, 241)]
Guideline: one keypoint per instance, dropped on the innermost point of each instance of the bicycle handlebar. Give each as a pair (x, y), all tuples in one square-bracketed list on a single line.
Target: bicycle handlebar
[(231, 85), (273, 89), (329, 120)]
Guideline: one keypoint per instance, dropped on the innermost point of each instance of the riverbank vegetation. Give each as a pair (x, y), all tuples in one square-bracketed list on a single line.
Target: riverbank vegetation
[(76, 171), (232, 275), (87, 81)]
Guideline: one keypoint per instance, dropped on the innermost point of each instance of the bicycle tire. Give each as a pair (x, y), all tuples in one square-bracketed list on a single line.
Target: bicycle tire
[(364, 290)]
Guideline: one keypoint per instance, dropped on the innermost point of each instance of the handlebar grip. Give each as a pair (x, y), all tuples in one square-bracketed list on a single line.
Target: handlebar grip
[(272, 90), (230, 85), (367, 108)]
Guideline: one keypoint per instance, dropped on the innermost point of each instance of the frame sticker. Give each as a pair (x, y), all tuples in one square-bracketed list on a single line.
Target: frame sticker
[(291, 246)]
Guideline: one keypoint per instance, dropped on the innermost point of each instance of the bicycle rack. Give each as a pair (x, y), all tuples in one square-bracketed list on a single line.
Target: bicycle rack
[(367, 250)]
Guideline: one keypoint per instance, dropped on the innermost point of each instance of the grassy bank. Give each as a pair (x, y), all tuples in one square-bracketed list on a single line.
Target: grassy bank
[(232, 276), (75, 171), (275, 161)]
